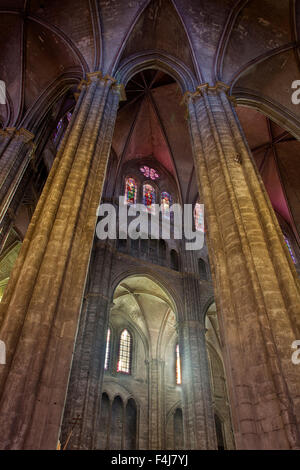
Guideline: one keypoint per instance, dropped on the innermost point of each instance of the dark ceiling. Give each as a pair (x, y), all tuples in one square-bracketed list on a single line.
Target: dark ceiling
[(249, 44)]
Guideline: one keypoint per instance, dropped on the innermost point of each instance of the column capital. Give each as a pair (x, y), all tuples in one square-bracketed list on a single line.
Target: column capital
[(25, 134), (99, 76), (120, 88), (7, 132), (206, 88)]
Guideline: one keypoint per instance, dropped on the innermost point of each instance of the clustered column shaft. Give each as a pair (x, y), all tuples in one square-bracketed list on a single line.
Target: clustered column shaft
[(256, 285), (40, 309)]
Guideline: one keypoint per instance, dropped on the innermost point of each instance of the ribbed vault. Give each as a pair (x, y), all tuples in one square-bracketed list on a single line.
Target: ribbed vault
[(276, 153)]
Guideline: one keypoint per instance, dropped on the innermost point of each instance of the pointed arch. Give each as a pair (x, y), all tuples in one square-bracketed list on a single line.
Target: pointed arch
[(174, 298), (281, 116), (156, 60)]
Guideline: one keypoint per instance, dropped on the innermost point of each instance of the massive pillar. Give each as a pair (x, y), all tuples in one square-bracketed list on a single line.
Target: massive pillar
[(86, 379), (16, 151), (39, 311), (256, 285), (197, 397)]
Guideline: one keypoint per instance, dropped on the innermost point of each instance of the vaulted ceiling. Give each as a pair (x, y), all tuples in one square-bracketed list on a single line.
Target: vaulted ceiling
[(152, 123), (251, 45), (150, 309), (276, 154)]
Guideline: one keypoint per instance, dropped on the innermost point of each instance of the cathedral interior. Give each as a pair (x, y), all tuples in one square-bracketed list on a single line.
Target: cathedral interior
[(140, 343)]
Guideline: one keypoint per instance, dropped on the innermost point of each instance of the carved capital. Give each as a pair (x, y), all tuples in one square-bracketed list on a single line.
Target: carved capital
[(94, 77), (26, 135), (205, 89), (22, 133), (121, 90), (8, 132), (98, 76)]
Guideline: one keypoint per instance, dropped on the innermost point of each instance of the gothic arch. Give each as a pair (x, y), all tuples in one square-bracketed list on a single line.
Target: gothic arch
[(176, 301), (156, 60), (136, 333), (268, 107), (170, 417), (56, 90)]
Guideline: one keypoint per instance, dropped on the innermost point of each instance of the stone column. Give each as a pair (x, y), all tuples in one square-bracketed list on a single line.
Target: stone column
[(256, 285), (39, 311), (85, 385), (156, 414), (198, 414), (16, 151)]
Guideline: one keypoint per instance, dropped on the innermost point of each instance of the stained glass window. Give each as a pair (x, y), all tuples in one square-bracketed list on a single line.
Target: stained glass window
[(58, 128), (166, 202), (178, 366), (290, 249), (107, 350), (124, 353), (61, 126), (130, 191), (199, 217), (149, 197), (149, 172)]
